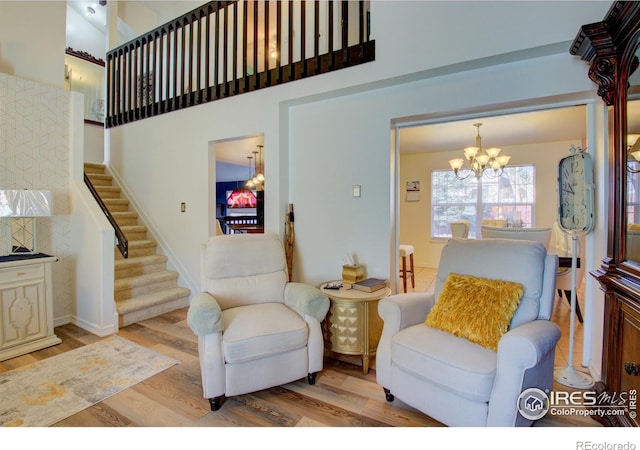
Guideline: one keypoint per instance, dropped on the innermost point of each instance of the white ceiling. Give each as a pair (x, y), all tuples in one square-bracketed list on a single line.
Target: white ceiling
[(552, 125)]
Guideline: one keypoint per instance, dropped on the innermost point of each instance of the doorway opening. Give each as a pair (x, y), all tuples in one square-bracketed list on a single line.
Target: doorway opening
[(236, 185), (423, 146)]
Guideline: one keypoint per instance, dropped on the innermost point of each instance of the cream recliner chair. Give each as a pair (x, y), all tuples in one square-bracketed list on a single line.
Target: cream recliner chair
[(454, 380), (255, 328)]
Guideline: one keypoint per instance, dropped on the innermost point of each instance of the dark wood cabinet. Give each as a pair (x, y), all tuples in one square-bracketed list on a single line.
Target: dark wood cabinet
[(611, 49)]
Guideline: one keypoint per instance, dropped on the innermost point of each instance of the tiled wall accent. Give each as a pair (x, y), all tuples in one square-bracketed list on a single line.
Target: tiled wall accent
[(34, 154)]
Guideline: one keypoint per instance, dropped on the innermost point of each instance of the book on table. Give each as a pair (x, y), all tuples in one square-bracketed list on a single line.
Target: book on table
[(370, 284)]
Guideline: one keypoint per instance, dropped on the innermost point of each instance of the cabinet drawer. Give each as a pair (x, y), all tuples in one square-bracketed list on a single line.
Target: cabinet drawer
[(17, 274)]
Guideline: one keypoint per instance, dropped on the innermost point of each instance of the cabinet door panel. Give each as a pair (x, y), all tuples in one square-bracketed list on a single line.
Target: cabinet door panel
[(23, 314), (630, 358)]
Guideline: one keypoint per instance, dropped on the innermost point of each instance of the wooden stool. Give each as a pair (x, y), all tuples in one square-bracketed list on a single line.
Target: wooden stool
[(407, 250)]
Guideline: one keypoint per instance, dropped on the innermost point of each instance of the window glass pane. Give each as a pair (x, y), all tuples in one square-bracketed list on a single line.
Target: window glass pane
[(632, 197), (510, 196), (451, 200)]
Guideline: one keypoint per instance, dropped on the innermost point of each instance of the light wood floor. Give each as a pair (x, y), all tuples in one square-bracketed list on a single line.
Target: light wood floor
[(342, 396)]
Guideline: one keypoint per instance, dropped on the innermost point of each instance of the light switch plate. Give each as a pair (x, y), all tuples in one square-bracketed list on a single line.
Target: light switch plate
[(183, 207), (356, 190)]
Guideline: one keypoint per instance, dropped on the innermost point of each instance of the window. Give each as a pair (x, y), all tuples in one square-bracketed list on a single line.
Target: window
[(510, 196)]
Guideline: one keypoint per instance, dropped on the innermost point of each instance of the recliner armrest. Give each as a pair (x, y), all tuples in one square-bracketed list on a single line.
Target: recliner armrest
[(204, 315), (306, 299), (527, 344), (398, 312), (403, 310), (525, 359)]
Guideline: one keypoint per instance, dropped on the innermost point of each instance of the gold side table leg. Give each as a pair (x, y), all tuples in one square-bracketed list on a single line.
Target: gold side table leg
[(365, 340)]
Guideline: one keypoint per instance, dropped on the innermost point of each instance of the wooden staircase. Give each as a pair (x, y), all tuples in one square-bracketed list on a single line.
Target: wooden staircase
[(143, 287)]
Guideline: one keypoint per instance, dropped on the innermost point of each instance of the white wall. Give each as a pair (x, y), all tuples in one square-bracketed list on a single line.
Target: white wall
[(322, 136), (415, 217), (93, 143), (35, 148), (32, 40)]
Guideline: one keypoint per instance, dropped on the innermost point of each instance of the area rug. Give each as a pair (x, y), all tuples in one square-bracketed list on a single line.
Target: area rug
[(45, 392)]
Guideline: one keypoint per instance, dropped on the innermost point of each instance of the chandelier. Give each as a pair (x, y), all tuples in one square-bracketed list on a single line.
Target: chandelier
[(257, 181), (479, 161), (633, 152)]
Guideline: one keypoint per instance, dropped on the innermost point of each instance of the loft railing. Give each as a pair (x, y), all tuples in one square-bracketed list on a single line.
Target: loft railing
[(121, 240), (225, 48)]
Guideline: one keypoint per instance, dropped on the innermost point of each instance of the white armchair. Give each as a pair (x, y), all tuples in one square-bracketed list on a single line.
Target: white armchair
[(255, 328), (452, 379)]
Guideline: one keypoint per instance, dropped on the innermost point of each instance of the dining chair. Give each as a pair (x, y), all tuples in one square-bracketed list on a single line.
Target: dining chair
[(460, 228), (542, 235), (494, 222)]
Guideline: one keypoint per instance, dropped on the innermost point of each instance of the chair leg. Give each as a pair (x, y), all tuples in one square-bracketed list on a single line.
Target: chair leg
[(311, 378), (413, 274), (388, 395), (404, 273), (216, 402), (567, 295)]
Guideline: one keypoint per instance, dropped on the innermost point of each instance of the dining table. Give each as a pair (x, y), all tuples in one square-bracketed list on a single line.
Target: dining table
[(565, 261), (246, 227)]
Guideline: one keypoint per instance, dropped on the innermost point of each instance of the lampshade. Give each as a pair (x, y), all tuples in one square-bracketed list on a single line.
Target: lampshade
[(25, 203)]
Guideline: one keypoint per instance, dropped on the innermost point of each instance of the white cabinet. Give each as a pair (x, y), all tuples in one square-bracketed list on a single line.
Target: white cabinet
[(26, 306)]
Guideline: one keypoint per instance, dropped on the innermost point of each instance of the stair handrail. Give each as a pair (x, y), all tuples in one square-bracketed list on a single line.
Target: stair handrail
[(121, 240)]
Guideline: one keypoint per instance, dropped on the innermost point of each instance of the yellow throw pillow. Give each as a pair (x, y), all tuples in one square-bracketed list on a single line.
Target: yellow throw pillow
[(478, 309)]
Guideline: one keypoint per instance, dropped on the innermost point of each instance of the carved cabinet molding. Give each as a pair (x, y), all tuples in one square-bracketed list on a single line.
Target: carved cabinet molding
[(611, 48)]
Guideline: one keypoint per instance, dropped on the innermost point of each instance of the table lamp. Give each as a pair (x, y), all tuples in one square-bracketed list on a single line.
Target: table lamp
[(23, 206)]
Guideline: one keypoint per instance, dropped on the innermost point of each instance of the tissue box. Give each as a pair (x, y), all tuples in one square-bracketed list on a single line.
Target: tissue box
[(352, 273)]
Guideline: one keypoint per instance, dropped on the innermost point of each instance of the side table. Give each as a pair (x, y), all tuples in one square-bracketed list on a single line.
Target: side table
[(353, 326)]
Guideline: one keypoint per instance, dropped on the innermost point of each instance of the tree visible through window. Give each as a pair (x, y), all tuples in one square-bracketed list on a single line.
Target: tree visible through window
[(510, 196)]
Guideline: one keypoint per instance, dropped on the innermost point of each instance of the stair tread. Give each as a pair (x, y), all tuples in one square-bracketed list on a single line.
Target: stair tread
[(99, 176), (107, 188), (142, 243), (149, 300), (144, 279), (140, 260), (116, 200), (94, 165), (133, 227)]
